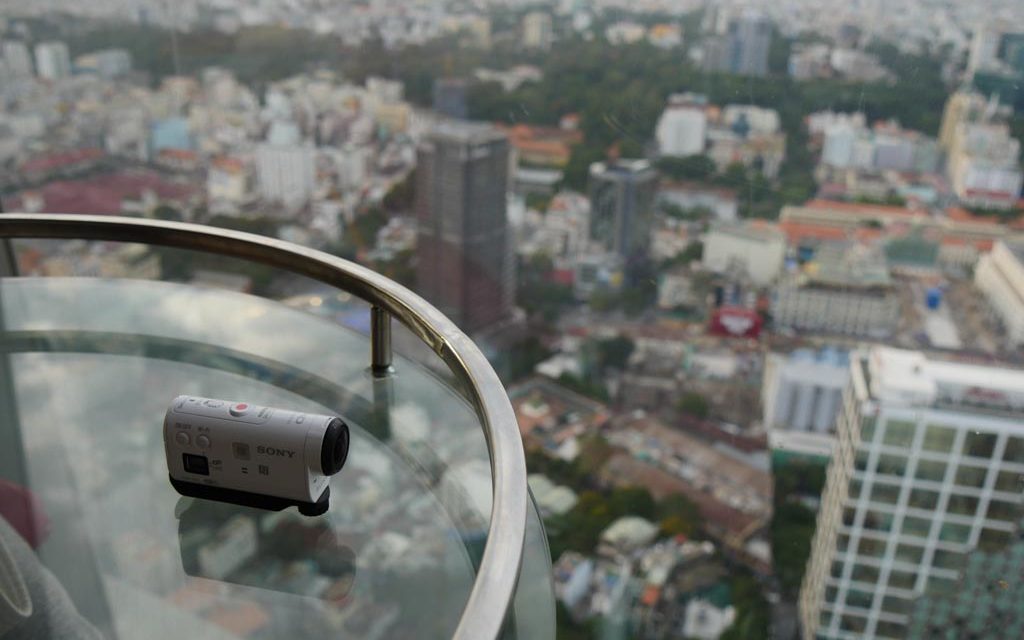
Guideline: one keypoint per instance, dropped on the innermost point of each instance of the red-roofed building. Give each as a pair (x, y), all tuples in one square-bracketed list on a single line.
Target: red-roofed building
[(861, 212), (650, 595), (178, 160), (229, 180), (959, 214), (800, 233), (544, 146), (962, 236), (60, 163), (103, 195)]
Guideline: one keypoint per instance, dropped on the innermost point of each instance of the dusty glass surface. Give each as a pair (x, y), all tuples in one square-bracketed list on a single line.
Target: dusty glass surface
[(92, 365)]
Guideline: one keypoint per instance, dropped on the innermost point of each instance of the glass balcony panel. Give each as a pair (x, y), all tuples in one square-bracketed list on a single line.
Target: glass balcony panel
[(95, 362)]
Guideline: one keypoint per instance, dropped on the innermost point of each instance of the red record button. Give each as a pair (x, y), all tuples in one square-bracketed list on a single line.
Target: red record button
[(239, 409)]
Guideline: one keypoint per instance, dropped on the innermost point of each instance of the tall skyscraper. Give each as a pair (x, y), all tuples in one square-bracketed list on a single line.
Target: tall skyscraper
[(744, 48), (622, 205), (53, 61), (750, 36), (17, 58), (464, 250), (537, 33), (450, 98), (926, 472), (984, 49)]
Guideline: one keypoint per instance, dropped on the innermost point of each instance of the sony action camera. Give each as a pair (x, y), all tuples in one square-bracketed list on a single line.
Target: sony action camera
[(252, 455)]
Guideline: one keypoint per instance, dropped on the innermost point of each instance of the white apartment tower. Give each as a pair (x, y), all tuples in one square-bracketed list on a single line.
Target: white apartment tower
[(537, 32), (53, 61), (17, 59), (682, 127), (1000, 278), (928, 467), (286, 167)]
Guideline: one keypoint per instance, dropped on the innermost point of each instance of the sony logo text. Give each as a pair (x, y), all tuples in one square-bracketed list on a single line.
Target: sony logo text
[(272, 451)]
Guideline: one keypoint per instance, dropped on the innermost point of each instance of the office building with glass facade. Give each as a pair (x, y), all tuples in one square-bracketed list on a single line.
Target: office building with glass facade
[(927, 469)]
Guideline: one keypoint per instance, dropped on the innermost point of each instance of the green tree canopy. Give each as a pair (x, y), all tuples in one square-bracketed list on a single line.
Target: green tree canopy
[(615, 352), (694, 404)]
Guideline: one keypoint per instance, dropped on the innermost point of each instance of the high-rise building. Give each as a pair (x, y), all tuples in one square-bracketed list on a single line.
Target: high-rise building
[(717, 56), (17, 58), (622, 205), (978, 605), (743, 50), (926, 471), (537, 32), (53, 61), (984, 49), (286, 167), (751, 35), (108, 63), (982, 158), (464, 249), (683, 125), (1013, 51), (962, 106), (286, 174), (999, 276), (983, 165), (801, 395), (450, 98)]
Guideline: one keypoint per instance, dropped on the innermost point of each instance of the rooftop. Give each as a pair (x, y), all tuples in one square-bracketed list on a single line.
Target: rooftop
[(53, 161), (912, 378), (630, 531), (102, 195), (827, 356), (759, 232), (623, 167), (541, 403), (857, 209), (842, 265), (466, 132)]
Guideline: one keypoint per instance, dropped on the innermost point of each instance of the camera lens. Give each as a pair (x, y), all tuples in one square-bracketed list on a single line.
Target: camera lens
[(334, 449)]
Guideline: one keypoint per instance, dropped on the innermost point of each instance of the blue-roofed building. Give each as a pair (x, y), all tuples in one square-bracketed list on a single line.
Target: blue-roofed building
[(171, 133)]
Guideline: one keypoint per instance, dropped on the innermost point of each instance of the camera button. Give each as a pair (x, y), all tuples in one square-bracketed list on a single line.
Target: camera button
[(214, 403), (239, 409), (182, 438), (203, 442)]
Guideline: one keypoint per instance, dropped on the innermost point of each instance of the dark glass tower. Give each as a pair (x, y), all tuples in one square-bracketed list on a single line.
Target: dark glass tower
[(464, 250)]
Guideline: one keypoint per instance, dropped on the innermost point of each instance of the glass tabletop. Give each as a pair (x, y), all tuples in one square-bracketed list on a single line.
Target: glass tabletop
[(87, 369)]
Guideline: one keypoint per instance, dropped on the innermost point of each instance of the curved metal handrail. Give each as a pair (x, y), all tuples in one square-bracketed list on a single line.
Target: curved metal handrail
[(491, 597)]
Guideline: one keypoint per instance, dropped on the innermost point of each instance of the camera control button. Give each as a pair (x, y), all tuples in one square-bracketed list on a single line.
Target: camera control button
[(203, 442), (182, 438), (214, 403), (239, 409)]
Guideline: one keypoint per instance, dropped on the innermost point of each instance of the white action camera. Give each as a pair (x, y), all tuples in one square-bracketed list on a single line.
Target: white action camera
[(251, 455)]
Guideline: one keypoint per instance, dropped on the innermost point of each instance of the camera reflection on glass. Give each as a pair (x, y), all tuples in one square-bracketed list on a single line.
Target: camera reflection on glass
[(280, 551)]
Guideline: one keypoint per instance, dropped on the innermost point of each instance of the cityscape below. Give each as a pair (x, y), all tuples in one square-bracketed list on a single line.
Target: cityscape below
[(752, 272)]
